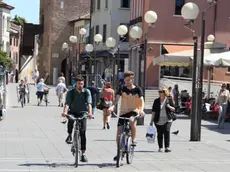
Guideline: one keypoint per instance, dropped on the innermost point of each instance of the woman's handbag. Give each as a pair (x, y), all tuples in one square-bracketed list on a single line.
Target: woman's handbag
[(171, 113), (100, 104)]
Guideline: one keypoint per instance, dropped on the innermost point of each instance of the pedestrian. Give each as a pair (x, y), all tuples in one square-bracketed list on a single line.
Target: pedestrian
[(108, 96), (162, 118), (60, 91), (176, 94), (61, 78), (16, 76), (94, 91), (222, 101)]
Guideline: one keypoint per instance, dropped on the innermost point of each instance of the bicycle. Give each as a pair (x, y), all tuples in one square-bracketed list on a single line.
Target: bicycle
[(46, 92), (76, 149), (125, 145)]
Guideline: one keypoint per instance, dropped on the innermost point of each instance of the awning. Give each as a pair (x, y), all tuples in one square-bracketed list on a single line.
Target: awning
[(184, 58), (176, 48)]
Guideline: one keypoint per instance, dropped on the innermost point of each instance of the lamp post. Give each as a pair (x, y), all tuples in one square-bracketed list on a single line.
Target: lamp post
[(97, 39), (190, 12), (65, 47), (136, 33), (89, 49), (122, 30), (73, 39), (111, 43), (82, 33)]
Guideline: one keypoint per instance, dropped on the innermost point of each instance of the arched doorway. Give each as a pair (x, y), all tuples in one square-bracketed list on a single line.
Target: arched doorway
[(65, 71)]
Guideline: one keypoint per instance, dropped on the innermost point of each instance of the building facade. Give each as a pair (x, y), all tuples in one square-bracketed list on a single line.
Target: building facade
[(15, 40), (55, 16), (5, 26), (106, 17), (169, 34)]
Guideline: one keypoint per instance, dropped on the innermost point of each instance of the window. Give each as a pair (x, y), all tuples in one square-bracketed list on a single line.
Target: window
[(126, 37), (62, 4), (98, 4), (106, 3), (16, 57), (178, 6), (3, 22), (97, 29), (10, 40), (125, 3), (16, 42), (104, 32), (8, 24)]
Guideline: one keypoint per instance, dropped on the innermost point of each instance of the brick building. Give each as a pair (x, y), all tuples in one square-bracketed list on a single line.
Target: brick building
[(55, 16), (169, 34)]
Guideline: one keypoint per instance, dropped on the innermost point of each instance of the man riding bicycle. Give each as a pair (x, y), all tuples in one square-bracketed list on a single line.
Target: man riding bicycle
[(132, 104), (40, 90), (22, 90), (78, 100)]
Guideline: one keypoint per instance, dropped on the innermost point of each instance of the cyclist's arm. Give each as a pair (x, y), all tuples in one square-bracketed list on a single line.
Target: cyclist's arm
[(67, 103), (89, 101)]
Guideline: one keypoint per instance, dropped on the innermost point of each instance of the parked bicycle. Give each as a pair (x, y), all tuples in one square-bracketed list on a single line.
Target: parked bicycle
[(125, 145), (76, 145)]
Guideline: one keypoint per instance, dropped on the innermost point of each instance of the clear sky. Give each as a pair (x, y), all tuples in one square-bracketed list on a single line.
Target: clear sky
[(29, 9)]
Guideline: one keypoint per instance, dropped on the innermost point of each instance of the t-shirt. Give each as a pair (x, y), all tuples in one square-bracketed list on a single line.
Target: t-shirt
[(22, 87), (41, 86), (130, 99), (78, 104), (61, 87)]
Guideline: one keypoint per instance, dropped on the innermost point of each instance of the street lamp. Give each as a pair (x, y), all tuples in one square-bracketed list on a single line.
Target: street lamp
[(122, 30), (97, 38), (82, 33), (89, 49), (190, 12), (65, 47), (73, 39), (111, 42), (136, 33)]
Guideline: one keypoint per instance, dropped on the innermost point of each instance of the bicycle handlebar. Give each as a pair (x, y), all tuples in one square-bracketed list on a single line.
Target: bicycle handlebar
[(125, 118), (71, 117)]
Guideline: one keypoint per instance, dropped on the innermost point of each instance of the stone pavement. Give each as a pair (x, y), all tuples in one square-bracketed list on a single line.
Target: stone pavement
[(32, 139)]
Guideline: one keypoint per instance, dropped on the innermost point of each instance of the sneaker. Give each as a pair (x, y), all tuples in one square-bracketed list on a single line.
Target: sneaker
[(84, 158), (167, 150), (104, 128), (108, 127), (69, 139), (115, 158), (160, 150), (134, 143)]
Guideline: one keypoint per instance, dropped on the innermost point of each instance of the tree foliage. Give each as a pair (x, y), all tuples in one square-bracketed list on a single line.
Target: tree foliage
[(19, 20), (4, 60)]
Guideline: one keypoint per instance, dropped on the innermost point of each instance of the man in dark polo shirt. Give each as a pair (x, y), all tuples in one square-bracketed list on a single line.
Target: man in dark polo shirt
[(78, 100)]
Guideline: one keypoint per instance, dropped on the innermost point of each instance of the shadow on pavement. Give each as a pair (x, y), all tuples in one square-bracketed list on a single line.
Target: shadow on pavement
[(213, 127), (103, 140), (56, 165), (144, 151)]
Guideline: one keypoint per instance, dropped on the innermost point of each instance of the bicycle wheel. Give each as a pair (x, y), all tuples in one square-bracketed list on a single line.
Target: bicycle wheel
[(120, 151), (76, 155), (129, 151)]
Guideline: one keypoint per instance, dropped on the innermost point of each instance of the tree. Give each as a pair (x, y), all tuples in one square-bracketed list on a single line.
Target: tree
[(4, 60), (19, 20)]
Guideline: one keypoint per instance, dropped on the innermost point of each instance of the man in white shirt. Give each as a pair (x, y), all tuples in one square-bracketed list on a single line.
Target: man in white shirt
[(60, 90)]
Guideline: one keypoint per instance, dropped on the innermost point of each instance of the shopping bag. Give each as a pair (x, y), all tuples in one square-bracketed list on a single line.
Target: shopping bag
[(151, 134)]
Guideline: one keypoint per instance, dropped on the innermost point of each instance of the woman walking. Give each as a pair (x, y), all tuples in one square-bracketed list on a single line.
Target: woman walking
[(222, 101), (162, 118), (108, 95)]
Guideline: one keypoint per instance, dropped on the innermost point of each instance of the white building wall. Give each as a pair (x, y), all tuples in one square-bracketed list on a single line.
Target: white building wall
[(112, 17), (5, 29)]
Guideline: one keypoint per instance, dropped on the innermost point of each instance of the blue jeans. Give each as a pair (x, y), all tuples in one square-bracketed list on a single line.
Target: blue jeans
[(222, 115)]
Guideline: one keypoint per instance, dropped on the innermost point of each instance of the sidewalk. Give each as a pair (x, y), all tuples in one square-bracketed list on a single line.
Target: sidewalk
[(32, 139)]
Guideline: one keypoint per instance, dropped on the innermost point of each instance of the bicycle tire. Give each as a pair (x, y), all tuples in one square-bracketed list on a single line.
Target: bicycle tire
[(119, 151), (76, 155), (129, 151)]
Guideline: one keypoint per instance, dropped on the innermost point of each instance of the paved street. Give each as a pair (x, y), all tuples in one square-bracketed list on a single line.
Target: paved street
[(32, 139)]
